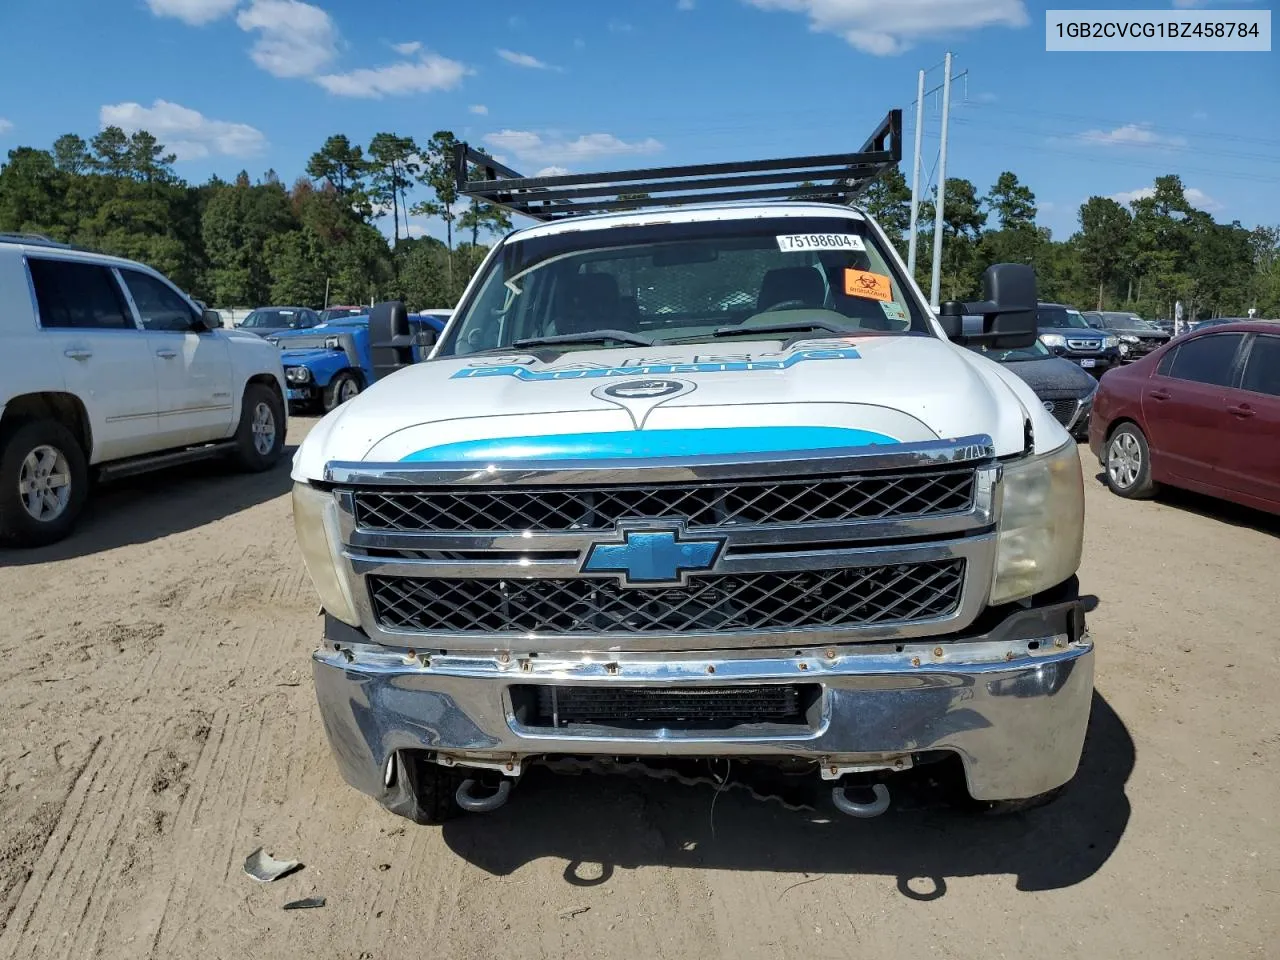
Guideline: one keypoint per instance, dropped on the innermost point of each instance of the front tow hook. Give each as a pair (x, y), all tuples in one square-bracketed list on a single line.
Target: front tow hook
[(473, 804), (863, 811)]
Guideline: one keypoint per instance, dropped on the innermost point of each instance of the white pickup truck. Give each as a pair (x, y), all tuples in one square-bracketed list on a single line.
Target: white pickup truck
[(702, 482), (106, 368)]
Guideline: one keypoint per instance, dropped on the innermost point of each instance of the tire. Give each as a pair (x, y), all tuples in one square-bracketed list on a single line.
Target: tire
[(261, 417), (43, 452), (422, 791), (1126, 463), (341, 389)]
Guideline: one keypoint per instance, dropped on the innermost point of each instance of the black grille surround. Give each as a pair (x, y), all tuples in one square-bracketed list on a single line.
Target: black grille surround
[(736, 503), (774, 601)]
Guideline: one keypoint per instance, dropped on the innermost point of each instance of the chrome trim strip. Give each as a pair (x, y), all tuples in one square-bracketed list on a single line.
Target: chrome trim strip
[(780, 561), (930, 453)]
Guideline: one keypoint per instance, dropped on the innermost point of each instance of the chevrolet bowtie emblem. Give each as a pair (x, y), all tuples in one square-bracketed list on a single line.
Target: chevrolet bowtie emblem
[(651, 556)]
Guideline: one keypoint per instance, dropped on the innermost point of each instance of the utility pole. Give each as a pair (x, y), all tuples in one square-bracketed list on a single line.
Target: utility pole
[(934, 287), (915, 178)]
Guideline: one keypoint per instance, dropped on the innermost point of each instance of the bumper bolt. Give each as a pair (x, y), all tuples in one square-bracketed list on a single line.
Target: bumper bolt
[(937, 651), (915, 661), (711, 668), (831, 654), (504, 658), (802, 665)]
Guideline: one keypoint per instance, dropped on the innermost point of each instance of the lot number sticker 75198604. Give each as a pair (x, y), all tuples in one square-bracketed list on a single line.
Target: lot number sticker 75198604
[(821, 241)]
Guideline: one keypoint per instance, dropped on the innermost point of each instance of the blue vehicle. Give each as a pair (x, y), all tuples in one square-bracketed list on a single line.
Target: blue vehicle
[(329, 364)]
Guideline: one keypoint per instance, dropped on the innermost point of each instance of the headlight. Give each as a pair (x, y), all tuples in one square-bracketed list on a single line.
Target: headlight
[(315, 518), (332, 343), (1053, 340), (1109, 342), (1128, 338), (297, 374), (1041, 524)]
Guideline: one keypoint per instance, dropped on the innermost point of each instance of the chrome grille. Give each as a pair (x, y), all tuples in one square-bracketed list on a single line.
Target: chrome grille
[(1085, 346), (757, 503), (845, 597)]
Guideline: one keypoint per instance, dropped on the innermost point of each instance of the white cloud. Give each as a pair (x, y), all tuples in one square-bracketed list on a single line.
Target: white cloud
[(1195, 196), (194, 12), (185, 132), (295, 39), (883, 29), (1198, 198), (550, 149), (479, 109), (430, 72), (619, 26), (407, 49), (578, 43), (523, 60), (1131, 135), (552, 171), (684, 4), (5, 125)]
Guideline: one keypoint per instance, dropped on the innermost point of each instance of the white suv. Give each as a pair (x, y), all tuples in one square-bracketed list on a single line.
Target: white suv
[(106, 366)]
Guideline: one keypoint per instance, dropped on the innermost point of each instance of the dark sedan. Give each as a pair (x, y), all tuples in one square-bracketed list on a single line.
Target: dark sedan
[(1201, 412), (1065, 390), (268, 320), (1138, 337)]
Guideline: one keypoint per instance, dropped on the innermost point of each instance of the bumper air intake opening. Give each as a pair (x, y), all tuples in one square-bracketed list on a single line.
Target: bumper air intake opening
[(594, 708)]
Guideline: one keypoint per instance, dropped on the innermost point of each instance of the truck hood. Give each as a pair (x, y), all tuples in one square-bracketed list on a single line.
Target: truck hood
[(757, 397)]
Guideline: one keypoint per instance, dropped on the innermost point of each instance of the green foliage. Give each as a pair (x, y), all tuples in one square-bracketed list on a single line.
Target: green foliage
[(888, 199), (393, 167), (248, 243)]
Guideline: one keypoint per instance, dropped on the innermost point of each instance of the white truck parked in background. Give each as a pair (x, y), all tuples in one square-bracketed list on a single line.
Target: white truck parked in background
[(106, 367), (703, 482)]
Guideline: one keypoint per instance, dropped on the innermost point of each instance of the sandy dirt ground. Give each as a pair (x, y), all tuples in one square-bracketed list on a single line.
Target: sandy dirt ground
[(159, 725)]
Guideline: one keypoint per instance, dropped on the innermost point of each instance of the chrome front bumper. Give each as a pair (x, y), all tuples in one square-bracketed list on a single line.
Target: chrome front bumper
[(1012, 702)]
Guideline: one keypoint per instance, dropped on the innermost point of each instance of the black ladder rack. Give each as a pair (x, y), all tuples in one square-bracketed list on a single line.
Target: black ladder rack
[(834, 177)]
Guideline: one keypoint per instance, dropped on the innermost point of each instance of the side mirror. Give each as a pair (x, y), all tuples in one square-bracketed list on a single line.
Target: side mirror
[(1008, 309), (425, 338), (391, 341), (208, 320)]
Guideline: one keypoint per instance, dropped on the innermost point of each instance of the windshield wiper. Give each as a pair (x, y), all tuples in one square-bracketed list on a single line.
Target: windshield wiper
[(794, 326), (590, 336)]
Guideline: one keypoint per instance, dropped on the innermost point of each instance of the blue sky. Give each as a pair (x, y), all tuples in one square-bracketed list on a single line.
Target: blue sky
[(578, 85)]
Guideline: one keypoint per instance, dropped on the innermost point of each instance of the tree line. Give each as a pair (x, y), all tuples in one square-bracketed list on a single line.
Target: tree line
[(1144, 257), (248, 243)]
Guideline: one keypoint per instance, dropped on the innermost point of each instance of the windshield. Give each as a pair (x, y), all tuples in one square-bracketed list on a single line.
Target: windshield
[(1061, 317), (337, 313), (687, 282), (273, 318)]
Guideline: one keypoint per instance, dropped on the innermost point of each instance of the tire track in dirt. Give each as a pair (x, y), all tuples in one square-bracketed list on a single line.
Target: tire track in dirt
[(19, 920)]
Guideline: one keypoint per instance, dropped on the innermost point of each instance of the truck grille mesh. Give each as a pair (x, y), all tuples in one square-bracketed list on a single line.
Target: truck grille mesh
[(822, 500), (846, 597), (1063, 410)]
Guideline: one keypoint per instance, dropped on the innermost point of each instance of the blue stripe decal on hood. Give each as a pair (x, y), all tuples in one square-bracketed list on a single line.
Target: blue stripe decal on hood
[(650, 444)]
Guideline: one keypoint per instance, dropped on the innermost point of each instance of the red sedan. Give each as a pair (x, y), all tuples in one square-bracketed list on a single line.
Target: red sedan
[(1201, 412)]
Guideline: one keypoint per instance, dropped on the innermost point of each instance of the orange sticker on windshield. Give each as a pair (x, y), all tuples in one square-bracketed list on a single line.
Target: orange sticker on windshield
[(872, 286)]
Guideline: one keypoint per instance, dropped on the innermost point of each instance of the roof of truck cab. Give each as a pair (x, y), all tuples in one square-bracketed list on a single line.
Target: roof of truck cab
[(693, 213)]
